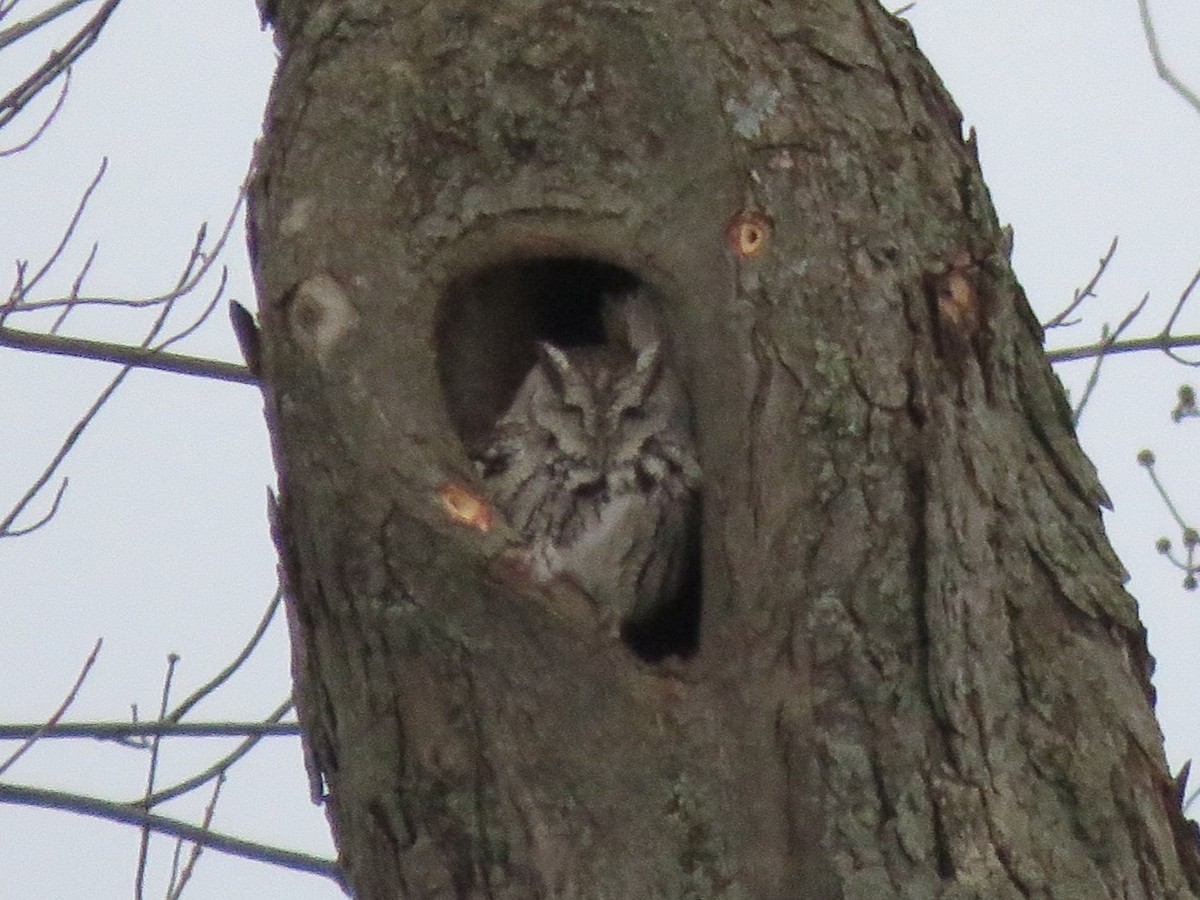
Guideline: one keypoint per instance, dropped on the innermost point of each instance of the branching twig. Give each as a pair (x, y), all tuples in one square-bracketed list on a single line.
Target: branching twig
[(117, 812), (76, 287), (1191, 536), (221, 766), (1106, 343), (1109, 345), (1160, 64), (23, 29), (1183, 299), (22, 287), (1146, 460), (64, 448), (50, 513), (151, 771), (221, 677), (75, 432), (176, 886), (196, 267), (46, 122), (146, 345), (40, 732), (58, 61), (1086, 292)]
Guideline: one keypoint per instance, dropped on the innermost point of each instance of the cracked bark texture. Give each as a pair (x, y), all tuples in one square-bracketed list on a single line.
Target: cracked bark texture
[(918, 673)]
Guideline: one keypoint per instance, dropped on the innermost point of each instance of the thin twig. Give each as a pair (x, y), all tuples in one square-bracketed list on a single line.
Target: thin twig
[(219, 767), (61, 454), (175, 862), (1088, 290), (46, 122), (147, 342), (204, 313), (58, 62), (58, 713), (176, 887), (139, 884), (78, 429), (117, 812), (24, 29), (1183, 299), (76, 286), (67, 234), (1160, 64), (221, 677), (58, 495), (1106, 342), (1166, 498), (187, 282)]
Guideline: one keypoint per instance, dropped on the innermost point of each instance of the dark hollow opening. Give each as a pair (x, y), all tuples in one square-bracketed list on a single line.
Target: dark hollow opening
[(490, 322)]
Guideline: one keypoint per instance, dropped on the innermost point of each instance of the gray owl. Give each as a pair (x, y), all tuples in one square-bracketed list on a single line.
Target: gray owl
[(594, 464)]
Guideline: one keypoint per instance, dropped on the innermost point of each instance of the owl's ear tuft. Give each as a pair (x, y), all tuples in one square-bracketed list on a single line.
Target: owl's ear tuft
[(649, 357), (631, 318), (553, 357), (555, 363)]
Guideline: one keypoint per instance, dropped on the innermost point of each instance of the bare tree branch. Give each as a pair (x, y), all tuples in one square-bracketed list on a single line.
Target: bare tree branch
[(221, 766), (47, 121), (1191, 535), (134, 357), (1110, 347), (175, 886), (1164, 341), (1086, 292), (24, 29), (117, 812), (221, 677), (58, 495), (58, 61), (51, 467), (1183, 299), (77, 430), (139, 883), (1160, 65), (21, 287), (196, 267), (1106, 342), (119, 731), (40, 732)]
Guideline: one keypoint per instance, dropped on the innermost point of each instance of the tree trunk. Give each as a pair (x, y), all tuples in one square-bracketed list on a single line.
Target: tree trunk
[(916, 672)]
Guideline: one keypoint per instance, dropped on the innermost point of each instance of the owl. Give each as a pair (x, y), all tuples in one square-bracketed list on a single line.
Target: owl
[(594, 464)]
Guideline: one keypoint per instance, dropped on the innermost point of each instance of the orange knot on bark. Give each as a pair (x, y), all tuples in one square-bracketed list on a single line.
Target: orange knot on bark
[(749, 233), (465, 506)]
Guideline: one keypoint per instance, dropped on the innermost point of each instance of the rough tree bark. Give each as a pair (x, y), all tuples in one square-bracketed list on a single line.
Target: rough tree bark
[(917, 673)]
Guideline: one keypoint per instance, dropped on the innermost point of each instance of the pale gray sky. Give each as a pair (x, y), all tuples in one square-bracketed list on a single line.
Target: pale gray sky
[(161, 545)]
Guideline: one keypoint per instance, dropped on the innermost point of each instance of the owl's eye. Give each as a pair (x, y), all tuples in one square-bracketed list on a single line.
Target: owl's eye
[(633, 414)]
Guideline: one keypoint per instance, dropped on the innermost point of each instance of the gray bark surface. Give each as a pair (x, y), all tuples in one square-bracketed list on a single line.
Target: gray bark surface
[(918, 674)]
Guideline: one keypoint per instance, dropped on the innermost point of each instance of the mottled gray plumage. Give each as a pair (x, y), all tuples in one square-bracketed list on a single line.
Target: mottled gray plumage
[(594, 464)]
